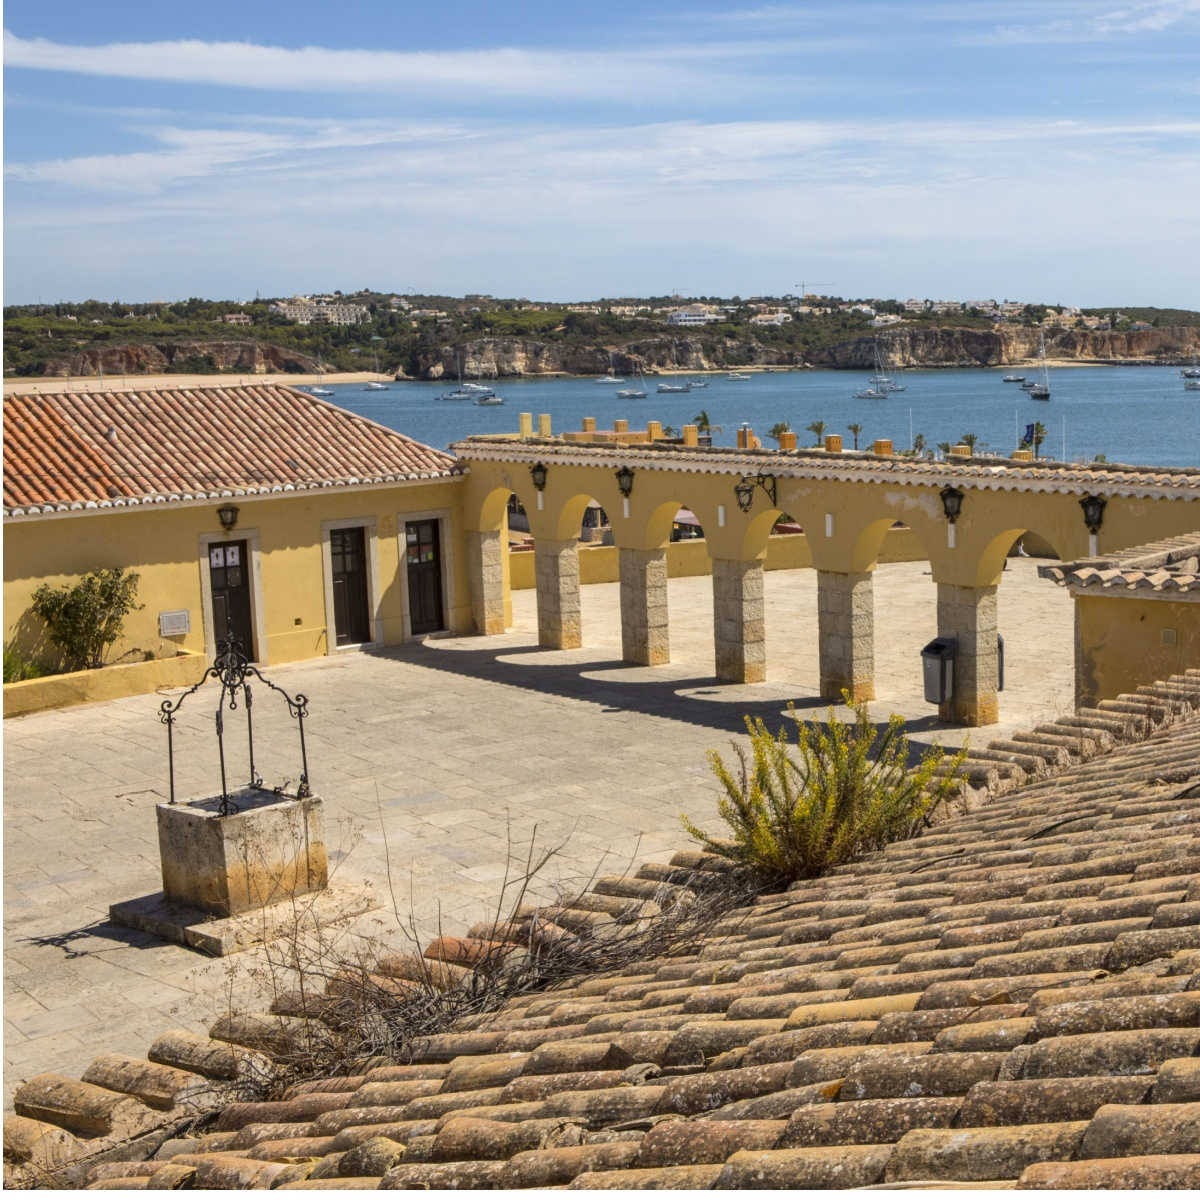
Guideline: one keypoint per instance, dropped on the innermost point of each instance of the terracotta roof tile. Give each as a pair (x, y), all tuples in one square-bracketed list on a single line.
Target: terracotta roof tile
[(77, 450), (1068, 1028)]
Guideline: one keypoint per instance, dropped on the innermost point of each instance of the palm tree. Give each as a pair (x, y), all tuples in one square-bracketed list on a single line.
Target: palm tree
[(703, 424), (855, 429), (944, 447), (817, 429), (778, 430), (1039, 436), (969, 440), (918, 445)]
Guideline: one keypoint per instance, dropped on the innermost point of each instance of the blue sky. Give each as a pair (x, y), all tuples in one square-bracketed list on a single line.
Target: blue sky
[(1030, 149)]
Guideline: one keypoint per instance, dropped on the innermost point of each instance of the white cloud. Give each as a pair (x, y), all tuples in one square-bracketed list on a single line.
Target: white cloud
[(625, 74)]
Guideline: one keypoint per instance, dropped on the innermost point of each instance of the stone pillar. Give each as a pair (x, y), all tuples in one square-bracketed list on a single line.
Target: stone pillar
[(846, 634), (969, 615), (739, 627), (645, 636), (556, 570), (485, 567)]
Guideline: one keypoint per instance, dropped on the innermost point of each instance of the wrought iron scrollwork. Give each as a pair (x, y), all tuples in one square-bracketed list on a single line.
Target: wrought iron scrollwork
[(232, 669)]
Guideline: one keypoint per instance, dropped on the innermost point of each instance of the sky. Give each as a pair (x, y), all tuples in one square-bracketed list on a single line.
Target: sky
[(1042, 150)]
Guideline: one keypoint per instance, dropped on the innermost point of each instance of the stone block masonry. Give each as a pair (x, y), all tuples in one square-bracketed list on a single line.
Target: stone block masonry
[(645, 632), (485, 564), (556, 568), (969, 614), (846, 633), (739, 624)]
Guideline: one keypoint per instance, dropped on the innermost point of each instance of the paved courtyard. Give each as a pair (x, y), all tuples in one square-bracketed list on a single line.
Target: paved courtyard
[(433, 760)]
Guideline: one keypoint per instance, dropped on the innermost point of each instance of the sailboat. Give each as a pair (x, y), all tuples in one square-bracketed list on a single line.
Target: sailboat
[(637, 391), (880, 380), (461, 392), (610, 377), (674, 388), (1041, 390), (373, 385), (320, 391)]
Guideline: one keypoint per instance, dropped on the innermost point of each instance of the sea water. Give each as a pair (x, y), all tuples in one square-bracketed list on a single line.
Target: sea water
[(1140, 415)]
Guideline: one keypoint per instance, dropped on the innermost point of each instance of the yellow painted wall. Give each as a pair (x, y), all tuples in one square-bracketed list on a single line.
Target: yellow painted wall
[(785, 552), (1119, 643), (163, 546)]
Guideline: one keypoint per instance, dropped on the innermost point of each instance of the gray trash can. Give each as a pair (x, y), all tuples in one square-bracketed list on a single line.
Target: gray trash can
[(999, 662), (937, 661)]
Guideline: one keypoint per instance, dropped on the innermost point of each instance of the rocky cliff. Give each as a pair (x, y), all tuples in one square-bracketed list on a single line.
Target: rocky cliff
[(499, 358), (249, 358)]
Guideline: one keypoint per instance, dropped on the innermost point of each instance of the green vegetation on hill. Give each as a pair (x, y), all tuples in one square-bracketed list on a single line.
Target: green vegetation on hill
[(41, 339)]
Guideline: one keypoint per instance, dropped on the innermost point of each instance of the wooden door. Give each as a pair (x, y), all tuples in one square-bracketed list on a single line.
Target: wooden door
[(424, 561), (351, 609), (229, 575)]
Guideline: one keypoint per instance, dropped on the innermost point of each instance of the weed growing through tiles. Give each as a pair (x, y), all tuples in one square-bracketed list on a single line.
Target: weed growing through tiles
[(848, 788)]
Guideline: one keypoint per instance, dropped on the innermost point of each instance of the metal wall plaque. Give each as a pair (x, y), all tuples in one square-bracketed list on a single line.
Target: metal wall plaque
[(172, 624)]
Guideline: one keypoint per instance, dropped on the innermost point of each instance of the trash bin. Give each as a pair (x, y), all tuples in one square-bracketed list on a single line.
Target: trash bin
[(999, 662), (937, 660)]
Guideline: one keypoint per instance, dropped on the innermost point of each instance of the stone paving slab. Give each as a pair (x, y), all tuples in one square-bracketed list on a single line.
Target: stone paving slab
[(441, 759)]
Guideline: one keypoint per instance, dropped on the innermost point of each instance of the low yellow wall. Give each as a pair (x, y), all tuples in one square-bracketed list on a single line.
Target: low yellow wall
[(785, 552), (1119, 643), (107, 683)]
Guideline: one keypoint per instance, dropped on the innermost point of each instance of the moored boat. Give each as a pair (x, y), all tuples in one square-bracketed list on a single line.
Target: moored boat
[(737, 375), (1014, 379), (674, 387)]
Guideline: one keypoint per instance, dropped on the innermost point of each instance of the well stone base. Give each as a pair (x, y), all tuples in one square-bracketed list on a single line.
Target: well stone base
[(271, 849), (186, 925)]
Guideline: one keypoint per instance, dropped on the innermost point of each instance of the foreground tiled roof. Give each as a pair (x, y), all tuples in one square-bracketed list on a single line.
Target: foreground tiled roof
[(862, 466), (1169, 566), (1011, 999), (87, 450)]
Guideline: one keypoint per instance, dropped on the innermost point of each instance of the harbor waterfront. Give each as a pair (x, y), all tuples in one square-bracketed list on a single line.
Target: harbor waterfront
[(1140, 415)]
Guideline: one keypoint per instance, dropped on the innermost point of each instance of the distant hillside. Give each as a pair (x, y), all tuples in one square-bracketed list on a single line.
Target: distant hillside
[(506, 338)]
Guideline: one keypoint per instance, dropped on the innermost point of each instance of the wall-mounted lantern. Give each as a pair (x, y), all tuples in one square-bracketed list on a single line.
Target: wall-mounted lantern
[(1093, 512), (625, 481), (952, 500), (745, 490), (227, 514), (538, 474)]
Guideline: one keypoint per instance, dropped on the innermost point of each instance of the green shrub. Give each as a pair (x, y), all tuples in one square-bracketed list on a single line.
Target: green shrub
[(17, 667), (85, 620), (846, 790)]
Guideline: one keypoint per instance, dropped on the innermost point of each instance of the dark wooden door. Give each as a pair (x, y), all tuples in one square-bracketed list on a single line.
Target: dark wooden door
[(351, 614), (424, 558), (229, 574)]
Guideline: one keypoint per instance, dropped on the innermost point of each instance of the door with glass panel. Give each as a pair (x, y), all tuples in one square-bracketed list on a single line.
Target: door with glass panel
[(229, 577), (351, 608), (423, 557)]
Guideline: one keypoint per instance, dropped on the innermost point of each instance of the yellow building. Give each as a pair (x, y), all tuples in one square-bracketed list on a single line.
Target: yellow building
[(263, 511), (1137, 615)]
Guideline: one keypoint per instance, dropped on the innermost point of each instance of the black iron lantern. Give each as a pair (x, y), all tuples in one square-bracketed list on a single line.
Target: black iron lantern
[(745, 490), (952, 500), (625, 481), (1093, 512), (227, 514), (538, 474)]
